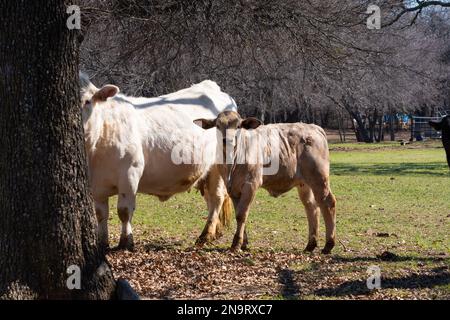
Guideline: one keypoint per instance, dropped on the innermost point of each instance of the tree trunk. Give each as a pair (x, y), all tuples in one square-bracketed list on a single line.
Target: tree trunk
[(361, 131), (341, 126), (391, 126), (380, 129), (46, 214), (372, 122)]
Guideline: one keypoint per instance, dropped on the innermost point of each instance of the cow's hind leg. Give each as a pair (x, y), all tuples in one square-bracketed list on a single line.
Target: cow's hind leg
[(102, 213), (312, 213)]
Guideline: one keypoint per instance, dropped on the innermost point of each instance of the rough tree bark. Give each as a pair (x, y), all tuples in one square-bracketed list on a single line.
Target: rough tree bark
[(46, 217)]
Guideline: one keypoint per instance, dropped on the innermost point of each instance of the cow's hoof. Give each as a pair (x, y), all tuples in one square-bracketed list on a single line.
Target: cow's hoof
[(312, 244), (328, 246), (126, 243), (104, 247)]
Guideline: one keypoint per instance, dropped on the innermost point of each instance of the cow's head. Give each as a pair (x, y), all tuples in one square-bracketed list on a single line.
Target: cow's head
[(91, 95), (441, 125), (227, 124)]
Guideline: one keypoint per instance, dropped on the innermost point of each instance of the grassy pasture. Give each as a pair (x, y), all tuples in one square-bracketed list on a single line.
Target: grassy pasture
[(393, 212)]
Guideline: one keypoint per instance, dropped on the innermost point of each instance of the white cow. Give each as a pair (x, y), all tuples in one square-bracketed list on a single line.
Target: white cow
[(152, 146)]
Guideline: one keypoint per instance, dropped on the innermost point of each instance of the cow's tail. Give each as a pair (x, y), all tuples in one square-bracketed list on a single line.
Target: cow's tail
[(225, 215)]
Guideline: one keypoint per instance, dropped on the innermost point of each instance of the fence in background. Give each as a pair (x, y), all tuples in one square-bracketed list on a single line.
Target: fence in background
[(421, 129)]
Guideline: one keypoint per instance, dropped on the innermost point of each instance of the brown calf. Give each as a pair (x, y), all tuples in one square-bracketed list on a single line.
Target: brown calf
[(300, 152)]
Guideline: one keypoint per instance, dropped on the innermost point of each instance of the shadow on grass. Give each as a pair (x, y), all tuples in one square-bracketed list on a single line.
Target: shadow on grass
[(413, 281), (389, 169), (290, 289), (394, 259), (159, 245)]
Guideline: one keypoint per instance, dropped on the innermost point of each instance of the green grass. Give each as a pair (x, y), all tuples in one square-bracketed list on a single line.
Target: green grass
[(381, 188)]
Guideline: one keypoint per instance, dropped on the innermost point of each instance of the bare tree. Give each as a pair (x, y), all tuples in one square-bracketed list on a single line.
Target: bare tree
[(281, 60)]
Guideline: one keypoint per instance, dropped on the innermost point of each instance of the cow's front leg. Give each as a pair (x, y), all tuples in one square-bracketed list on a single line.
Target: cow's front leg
[(242, 210), (125, 208), (102, 213)]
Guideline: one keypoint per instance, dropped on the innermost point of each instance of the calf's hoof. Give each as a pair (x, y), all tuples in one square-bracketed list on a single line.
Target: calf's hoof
[(200, 242), (237, 245), (104, 247), (219, 234), (328, 246), (204, 239), (312, 244), (126, 243), (235, 249)]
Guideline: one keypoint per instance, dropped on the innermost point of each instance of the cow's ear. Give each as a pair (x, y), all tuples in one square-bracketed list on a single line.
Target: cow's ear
[(437, 125), (205, 123), (250, 123), (106, 92)]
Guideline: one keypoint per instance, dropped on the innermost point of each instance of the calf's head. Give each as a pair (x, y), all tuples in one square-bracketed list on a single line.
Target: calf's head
[(227, 124)]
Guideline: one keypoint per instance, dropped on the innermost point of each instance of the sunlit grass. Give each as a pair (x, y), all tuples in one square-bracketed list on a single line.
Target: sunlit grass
[(405, 192), (402, 192)]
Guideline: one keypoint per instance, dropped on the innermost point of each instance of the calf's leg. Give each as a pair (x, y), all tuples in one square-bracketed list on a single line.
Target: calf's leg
[(312, 213), (242, 209), (245, 241), (215, 194), (327, 203)]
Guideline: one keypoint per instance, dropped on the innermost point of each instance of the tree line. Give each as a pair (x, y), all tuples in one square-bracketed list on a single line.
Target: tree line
[(283, 60)]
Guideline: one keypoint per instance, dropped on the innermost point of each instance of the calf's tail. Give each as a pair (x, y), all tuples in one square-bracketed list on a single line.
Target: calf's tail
[(225, 214)]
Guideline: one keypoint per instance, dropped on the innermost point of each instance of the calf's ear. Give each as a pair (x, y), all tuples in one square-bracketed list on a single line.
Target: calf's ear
[(437, 125), (250, 123), (106, 92), (205, 123)]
